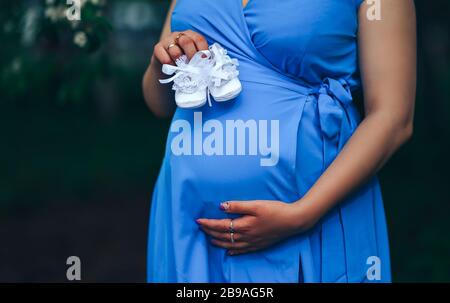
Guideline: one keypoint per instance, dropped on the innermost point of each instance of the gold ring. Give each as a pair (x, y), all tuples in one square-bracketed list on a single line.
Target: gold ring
[(178, 37), (172, 44)]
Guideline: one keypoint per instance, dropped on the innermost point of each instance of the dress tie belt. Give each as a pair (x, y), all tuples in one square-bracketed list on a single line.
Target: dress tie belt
[(347, 232), (338, 119)]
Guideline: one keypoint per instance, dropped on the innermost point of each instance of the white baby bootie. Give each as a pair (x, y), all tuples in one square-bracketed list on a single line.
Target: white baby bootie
[(224, 82), (191, 79)]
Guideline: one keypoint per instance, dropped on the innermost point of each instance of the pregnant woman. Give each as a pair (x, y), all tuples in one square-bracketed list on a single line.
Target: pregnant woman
[(313, 211)]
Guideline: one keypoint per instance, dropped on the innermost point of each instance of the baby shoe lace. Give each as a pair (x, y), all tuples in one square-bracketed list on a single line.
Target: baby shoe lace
[(190, 76), (224, 68)]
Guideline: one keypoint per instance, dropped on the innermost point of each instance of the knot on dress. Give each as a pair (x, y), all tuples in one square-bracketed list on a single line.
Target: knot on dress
[(342, 244), (337, 124)]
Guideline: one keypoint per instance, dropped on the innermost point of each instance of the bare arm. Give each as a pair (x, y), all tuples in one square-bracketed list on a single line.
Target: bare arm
[(159, 98), (388, 68)]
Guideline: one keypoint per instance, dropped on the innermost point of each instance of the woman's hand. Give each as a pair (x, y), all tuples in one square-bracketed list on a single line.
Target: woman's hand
[(176, 44), (263, 224), (159, 98)]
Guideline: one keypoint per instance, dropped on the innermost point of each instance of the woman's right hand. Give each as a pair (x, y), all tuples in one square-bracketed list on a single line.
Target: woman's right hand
[(159, 98), (183, 43)]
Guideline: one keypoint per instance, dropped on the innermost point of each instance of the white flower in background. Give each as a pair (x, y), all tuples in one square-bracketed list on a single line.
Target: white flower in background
[(98, 2), (80, 39), (55, 13), (51, 13), (61, 9)]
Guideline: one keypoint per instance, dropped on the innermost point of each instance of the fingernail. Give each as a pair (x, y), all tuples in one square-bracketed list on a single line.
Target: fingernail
[(224, 206), (197, 221), (231, 253)]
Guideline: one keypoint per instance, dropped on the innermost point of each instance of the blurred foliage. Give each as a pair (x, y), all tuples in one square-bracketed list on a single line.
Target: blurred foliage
[(46, 57), (74, 125), (87, 27)]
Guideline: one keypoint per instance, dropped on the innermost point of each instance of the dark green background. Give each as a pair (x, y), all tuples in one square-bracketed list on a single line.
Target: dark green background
[(79, 151)]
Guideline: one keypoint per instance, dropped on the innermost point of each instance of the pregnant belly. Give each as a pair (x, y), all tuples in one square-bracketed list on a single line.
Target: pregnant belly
[(244, 149)]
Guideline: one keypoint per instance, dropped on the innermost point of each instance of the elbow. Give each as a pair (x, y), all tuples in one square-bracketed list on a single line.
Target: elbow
[(155, 109), (158, 113), (398, 126), (152, 102), (408, 131), (405, 132)]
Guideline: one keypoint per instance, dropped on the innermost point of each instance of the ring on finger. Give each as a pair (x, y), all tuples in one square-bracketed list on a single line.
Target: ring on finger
[(178, 37), (231, 229), (172, 44), (232, 237)]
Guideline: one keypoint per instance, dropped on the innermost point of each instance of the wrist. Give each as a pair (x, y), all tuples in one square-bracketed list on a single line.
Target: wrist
[(155, 66), (305, 215), (154, 72)]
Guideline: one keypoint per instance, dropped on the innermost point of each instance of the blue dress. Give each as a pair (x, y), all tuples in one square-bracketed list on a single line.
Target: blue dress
[(298, 66)]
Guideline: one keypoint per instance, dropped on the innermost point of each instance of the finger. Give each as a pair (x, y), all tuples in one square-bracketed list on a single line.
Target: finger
[(238, 207), (160, 53), (242, 225), (235, 252), (175, 52), (229, 245), (187, 45), (220, 225), (199, 40), (224, 236)]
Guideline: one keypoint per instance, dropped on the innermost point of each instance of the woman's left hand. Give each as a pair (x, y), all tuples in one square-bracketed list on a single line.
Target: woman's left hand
[(263, 223)]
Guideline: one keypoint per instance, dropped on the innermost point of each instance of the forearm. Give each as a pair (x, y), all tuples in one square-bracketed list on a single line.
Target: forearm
[(159, 98), (379, 135)]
